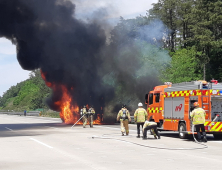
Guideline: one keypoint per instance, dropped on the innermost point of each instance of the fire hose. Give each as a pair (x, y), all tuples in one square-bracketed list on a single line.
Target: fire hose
[(88, 113), (77, 121), (153, 147)]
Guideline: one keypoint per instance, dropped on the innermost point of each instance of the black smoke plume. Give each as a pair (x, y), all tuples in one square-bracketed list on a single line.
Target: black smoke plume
[(74, 53)]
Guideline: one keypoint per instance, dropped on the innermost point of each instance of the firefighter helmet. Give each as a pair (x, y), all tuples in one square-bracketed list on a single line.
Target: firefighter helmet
[(140, 104), (196, 104)]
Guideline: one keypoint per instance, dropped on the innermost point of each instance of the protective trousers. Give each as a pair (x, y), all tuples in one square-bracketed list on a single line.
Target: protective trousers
[(138, 127), (124, 126), (84, 119), (198, 128), (90, 120), (154, 127)]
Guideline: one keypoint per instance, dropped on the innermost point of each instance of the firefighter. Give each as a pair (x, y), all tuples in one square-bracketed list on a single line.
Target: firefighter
[(198, 120), (124, 117), (85, 117), (91, 114), (150, 126), (140, 116)]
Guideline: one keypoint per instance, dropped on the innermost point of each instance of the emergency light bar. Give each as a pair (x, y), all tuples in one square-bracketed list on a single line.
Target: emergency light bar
[(214, 81)]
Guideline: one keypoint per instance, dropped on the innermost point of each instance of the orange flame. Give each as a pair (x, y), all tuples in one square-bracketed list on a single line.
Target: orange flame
[(70, 112), (44, 78)]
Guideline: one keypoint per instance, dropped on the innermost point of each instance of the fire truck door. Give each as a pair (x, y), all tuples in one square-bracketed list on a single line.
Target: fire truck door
[(168, 112), (216, 108), (178, 111)]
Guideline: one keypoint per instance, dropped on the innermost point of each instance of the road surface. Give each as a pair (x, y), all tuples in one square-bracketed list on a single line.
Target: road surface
[(33, 143)]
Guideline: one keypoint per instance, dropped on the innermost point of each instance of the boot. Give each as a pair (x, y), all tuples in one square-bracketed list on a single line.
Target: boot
[(144, 138), (159, 137), (204, 137), (199, 137), (122, 134), (138, 136), (155, 136)]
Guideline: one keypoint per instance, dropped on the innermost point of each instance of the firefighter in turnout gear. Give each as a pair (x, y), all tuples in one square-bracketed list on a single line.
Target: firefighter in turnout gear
[(91, 114), (124, 117), (140, 116), (150, 126), (84, 118), (198, 120)]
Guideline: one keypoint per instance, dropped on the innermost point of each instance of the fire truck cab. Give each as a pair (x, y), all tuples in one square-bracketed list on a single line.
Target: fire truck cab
[(170, 105)]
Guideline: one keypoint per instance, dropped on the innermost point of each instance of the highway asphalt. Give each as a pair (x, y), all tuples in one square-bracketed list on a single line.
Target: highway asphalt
[(33, 143)]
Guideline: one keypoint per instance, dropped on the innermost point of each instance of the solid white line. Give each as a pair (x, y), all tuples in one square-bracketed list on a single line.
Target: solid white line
[(41, 143), (8, 129)]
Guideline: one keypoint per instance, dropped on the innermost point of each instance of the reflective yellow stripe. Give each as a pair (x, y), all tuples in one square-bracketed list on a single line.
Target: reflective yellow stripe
[(213, 128), (218, 128), (205, 124)]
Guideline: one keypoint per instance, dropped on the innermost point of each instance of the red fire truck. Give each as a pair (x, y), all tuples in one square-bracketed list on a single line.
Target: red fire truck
[(170, 105)]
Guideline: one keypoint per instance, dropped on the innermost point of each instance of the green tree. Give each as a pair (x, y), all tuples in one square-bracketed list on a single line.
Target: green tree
[(207, 33), (184, 67)]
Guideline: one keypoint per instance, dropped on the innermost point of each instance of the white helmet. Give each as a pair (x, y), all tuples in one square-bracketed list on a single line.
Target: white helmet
[(140, 104)]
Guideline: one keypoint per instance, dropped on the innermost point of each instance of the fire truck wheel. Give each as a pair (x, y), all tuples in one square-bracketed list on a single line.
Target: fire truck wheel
[(217, 136), (182, 127)]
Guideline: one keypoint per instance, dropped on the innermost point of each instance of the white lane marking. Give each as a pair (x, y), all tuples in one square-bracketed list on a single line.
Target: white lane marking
[(8, 129), (41, 143)]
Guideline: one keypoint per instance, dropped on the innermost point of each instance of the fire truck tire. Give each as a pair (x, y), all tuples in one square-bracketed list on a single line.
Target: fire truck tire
[(217, 136), (182, 127)]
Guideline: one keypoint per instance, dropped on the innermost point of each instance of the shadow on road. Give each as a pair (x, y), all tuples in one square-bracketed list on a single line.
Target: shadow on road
[(189, 137), (32, 129)]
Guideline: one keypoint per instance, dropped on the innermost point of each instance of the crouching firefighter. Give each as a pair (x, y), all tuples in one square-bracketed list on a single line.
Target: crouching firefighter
[(124, 117), (91, 114), (150, 126), (85, 117), (198, 120)]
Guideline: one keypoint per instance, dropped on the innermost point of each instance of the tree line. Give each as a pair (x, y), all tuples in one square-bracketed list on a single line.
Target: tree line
[(26, 95), (195, 34)]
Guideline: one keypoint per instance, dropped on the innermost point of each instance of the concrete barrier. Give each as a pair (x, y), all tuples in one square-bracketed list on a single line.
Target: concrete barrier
[(30, 113)]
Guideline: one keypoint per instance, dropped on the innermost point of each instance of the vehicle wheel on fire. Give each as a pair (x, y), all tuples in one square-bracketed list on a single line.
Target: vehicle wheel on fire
[(217, 136), (181, 129)]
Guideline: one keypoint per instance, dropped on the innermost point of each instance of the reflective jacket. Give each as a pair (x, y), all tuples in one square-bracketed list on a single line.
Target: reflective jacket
[(92, 111), (198, 116), (84, 111), (147, 123), (140, 115), (121, 116)]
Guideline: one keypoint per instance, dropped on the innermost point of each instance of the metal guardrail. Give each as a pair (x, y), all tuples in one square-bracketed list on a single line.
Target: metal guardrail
[(30, 113)]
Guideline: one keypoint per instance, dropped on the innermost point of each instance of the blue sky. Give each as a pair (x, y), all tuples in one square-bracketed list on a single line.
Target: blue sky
[(11, 72)]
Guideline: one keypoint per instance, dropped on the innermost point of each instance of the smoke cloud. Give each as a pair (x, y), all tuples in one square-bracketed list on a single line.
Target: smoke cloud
[(75, 53)]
